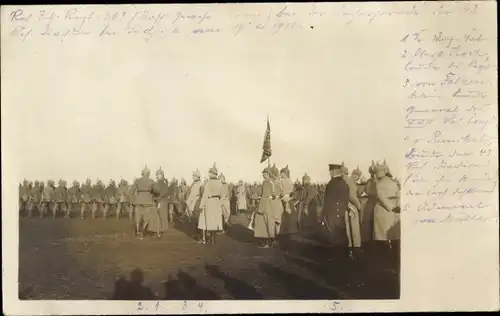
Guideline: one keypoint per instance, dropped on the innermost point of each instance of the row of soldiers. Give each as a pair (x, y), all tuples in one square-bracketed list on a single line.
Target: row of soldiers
[(281, 208), (97, 197)]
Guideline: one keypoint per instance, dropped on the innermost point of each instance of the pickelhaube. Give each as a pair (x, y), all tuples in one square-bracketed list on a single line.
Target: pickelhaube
[(344, 169), (160, 172), (42, 183), (285, 171), (25, 182), (145, 171), (306, 177), (357, 172), (51, 182), (222, 177), (274, 171), (75, 183), (213, 170), (197, 174), (371, 169)]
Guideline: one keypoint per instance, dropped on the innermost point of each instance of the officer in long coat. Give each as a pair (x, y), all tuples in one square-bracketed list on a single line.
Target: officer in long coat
[(210, 219), (86, 197), (143, 199), (289, 218), (194, 197), (47, 197), (110, 198), (335, 205), (73, 197), (387, 208), (161, 198), (264, 219), (60, 199), (353, 214)]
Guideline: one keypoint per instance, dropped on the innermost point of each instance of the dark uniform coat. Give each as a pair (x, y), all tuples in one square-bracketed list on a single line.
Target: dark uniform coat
[(336, 201), (309, 197), (74, 194), (142, 191)]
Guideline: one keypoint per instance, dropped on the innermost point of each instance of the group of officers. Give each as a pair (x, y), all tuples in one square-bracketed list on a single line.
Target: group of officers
[(348, 211)]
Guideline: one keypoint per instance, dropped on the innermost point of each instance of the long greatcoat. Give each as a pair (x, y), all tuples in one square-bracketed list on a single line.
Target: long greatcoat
[(161, 190), (210, 218), (386, 222), (265, 218), (368, 209), (335, 205)]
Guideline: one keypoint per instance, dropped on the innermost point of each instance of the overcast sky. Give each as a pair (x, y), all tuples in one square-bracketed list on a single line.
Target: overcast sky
[(95, 108)]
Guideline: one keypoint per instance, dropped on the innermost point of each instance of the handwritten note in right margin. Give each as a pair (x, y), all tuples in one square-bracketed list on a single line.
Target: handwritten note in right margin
[(450, 84)]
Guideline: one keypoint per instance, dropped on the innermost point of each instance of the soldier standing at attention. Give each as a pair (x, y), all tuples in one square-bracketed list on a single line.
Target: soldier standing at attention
[(335, 205), (73, 197), (289, 216), (122, 198), (60, 198), (210, 220), (142, 190), (34, 200), (97, 197), (24, 192), (86, 196), (161, 197), (387, 208), (309, 217), (47, 197), (173, 204), (110, 197), (226, 206), (352, 216), (368, 209), (193, 200), (241, 197), (263, 221)]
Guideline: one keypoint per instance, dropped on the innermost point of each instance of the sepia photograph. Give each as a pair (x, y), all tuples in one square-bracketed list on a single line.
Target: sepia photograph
[(243, 152)]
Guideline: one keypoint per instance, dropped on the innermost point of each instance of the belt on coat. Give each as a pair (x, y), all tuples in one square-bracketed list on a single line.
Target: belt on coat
[(214, 197), (272, 197)]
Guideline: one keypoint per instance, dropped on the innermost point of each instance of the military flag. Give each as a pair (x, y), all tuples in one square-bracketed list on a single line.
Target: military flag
[(266, 147)]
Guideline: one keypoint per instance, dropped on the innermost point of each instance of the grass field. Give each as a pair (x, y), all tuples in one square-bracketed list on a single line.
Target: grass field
[(83, 259)]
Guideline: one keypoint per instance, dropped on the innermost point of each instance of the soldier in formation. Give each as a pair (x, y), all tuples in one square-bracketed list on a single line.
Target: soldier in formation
[(73, 197), (60, 199), (86, 198)]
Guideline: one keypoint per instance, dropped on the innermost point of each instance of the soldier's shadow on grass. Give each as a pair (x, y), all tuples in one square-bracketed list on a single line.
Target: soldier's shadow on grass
[(185, 287), (132, 289), (298, 287), (238, 289)]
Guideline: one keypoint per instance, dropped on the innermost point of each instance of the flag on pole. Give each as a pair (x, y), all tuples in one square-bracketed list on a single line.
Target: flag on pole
[(266, 147)]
